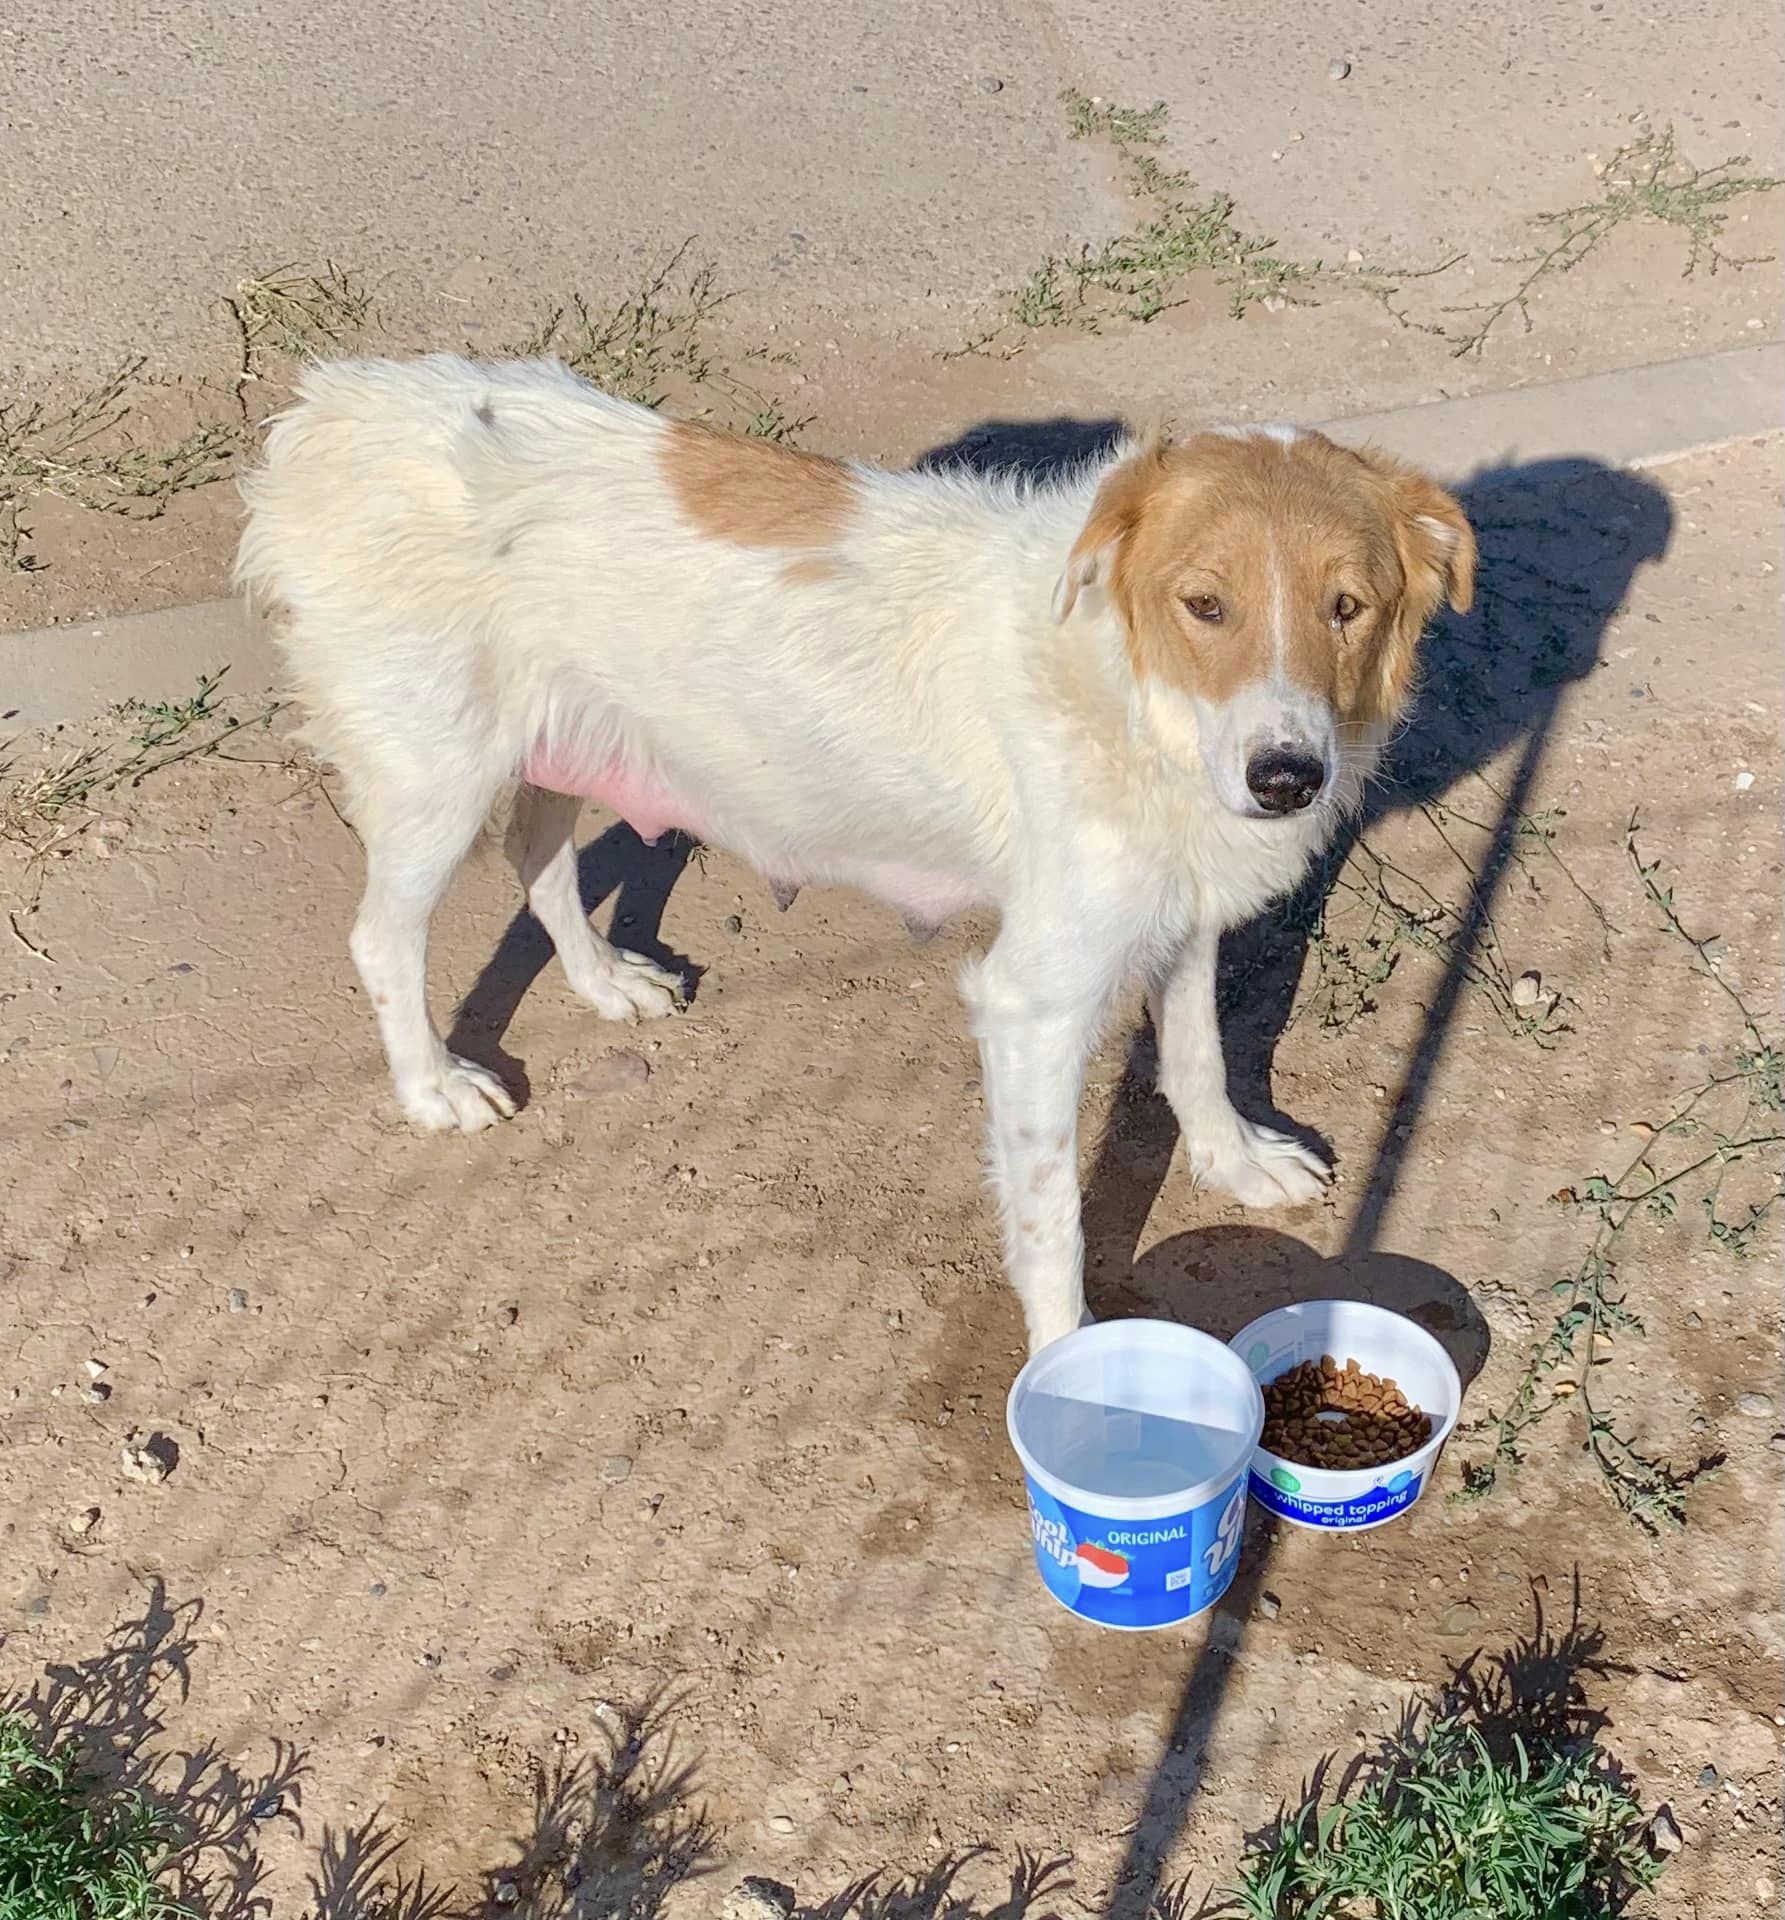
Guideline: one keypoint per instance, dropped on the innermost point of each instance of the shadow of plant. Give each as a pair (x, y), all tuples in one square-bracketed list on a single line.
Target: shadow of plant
[(110, 1711), (358, 1877), (1535, 1691), (611, 1833), (935, 1895)]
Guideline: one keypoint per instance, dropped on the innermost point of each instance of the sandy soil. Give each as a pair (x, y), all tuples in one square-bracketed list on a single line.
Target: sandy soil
[(886, 168), (570, 1520), (950, 177), (626, 1487)]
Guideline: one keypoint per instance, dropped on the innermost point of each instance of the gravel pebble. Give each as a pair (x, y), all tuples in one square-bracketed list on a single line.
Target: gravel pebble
[(238, 1300), (1708, 1778), (1757, 1406), (1664, 1832), (616, 1467), (612, 1072), (758, 1898), (781, 1823), (150, 1460), (991, 84), (84, 1522), (1269, 1606), (1527, 989), (1458, 1621), (1338, 69)]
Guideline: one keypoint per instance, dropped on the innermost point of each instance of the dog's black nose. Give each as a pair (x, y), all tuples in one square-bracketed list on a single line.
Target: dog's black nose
[(1284, 779)]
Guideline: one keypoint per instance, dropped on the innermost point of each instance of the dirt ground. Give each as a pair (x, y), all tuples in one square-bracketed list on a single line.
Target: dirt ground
[(569, 1520), (624, 1490), (1507, 232)]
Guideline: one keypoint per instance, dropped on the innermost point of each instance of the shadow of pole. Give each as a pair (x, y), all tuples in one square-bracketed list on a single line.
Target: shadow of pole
[(1176, 1780), (1138, 1889), (1391, 1152)]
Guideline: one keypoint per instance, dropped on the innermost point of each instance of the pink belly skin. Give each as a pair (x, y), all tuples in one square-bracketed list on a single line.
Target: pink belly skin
[(924, 897), (647, 806)]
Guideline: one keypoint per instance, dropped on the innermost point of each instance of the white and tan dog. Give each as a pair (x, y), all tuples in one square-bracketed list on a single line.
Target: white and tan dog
[(1125, 709)]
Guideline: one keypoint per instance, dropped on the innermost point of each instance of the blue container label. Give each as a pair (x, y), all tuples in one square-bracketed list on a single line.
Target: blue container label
[(1138, 1573), (1280, 1494)]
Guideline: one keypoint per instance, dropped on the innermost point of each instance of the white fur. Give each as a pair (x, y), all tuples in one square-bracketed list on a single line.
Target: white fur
[(1283, 434), (481, 562)]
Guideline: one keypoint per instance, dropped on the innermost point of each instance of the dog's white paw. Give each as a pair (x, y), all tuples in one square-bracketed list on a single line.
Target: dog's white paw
[(631, 989), (461, 1098), (1258, 1166)]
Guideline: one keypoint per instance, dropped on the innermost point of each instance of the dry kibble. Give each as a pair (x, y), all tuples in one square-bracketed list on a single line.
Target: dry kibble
[(1324, 1414)]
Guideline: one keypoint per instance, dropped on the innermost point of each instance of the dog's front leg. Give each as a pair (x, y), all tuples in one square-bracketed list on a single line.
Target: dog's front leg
[(1032, 1044), (1256, 1165)]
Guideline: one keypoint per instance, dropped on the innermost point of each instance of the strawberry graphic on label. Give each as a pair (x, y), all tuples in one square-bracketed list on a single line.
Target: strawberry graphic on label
[(1099, 1567)]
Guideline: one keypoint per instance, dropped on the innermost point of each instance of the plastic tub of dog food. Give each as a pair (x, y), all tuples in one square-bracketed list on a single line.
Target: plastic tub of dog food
[(1393, 1353), (1135, 1437)]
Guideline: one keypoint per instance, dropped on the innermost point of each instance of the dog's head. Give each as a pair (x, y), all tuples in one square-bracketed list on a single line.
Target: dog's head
[(1272, 588)]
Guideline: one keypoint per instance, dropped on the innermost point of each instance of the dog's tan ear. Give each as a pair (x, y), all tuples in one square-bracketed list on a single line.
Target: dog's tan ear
[(1437, 551), (1114, 514), (1442, 544), (1436, 541)]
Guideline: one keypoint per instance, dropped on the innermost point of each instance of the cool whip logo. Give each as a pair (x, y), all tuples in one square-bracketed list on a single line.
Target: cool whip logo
[(1226, 1542), (1096, 1566), (1052, 1538), (1378, 1504)]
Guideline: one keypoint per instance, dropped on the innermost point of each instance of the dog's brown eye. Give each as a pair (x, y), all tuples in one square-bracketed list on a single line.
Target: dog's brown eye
[(1204, 606), (1345, 610)]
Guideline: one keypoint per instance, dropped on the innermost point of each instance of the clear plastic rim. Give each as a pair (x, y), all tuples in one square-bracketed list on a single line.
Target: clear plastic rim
[(1203, 1347), (1340, 1484)]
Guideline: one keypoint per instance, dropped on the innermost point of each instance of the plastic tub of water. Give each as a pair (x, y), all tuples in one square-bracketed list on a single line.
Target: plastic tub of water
[(1386, 1344), (1135, 1437)]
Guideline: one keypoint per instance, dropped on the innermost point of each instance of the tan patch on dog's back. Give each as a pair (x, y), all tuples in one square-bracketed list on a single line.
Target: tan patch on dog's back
[(753, 493)]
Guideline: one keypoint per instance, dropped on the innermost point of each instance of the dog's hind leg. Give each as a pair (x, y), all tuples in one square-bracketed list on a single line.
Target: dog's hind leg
[(542, 846), (414, 841)]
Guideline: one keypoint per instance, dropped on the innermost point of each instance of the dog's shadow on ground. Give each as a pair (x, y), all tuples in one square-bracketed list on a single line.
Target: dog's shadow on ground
[(616, 865), (1219, 1278)]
